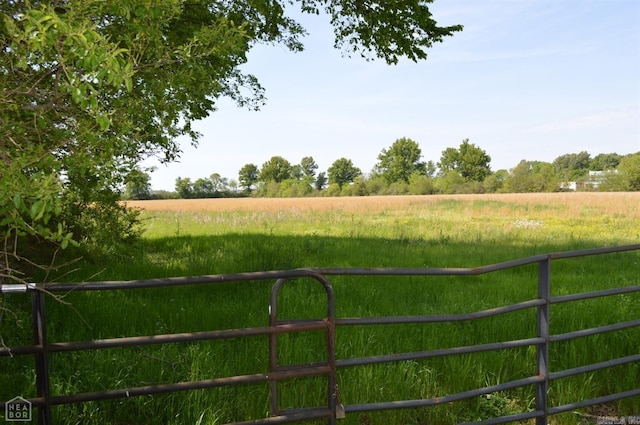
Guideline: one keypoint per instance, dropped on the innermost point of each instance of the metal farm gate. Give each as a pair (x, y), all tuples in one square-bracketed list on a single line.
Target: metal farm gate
[(332, 407)]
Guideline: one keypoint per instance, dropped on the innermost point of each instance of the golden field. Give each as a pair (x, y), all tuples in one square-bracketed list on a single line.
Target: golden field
[(606, 203)]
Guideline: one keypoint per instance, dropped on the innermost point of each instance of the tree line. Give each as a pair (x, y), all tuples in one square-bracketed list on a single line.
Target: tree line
[(400, 170)]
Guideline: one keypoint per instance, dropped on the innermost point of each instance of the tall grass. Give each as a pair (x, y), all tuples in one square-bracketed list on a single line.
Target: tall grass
[(421, 232)]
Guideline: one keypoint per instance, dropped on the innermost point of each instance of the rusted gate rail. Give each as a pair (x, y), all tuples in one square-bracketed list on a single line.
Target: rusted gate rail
[(333, 410)]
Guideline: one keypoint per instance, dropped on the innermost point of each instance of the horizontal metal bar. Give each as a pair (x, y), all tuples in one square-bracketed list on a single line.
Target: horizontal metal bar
[(475, 270), (297, 416), (20, 350), (594, 401), (594, 294), (179, 281), (593, 251), (438, 353), (163, 339), (412, 271), (308, 272), (509, 418), (193, 385), (284, 368), (594, 331), (17, 288), (406, 404), (439, 318), (594, 366)]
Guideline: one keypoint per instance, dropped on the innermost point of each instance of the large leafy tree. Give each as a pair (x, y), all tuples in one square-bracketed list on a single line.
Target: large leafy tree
[(321, 181), (571, 166), (630, 169), (400, 161), (89, 88), (605, 162), (277, 169), (184, 188), (469, 160), (248, 176), (531, 176), (218, 183), (342, 172), (309, 167), (138, 185), (626, 177)]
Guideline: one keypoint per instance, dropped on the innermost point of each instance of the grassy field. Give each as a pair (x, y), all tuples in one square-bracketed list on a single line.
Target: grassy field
[(217, 236)]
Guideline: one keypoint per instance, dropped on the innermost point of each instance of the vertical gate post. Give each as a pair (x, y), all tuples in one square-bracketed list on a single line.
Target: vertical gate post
[(544, 292), (42, 357), (273, 349), (333, 393)]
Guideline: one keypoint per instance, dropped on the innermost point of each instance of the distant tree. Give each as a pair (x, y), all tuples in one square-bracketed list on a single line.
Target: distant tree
[(629, 170), (184, 188), (572, 166), (605, 162), (494, 182), (248, 176), (531, 176), (309, 167), (449, 181), (400, 161), (321, 181), (376, 184), (138, 185), (292, 188), (419, 184), (202, 188), (627, 177), (277, 169), (296, 172), (233, 185), (342, 172), (471, 162), (430, 169), (218, 184)]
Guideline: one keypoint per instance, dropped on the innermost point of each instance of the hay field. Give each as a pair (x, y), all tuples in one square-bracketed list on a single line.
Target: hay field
[(606, 203)]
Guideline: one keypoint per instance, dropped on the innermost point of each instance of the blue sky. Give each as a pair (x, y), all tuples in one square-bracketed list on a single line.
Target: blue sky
[(525, 79)]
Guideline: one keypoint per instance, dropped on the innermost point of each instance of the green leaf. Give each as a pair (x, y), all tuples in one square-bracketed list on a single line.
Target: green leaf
[(18, 202), (36, 210), (103, 122)]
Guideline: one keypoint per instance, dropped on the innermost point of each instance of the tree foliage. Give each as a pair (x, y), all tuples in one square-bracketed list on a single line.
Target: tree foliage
[(400, 161), (629, 170), (626, 177), (471, 162), (532, 176), (248, 176), (309, 167), (184, 188), (389, 30), (277, 169), (321, 181), (571, 166), (605, 162), (138, 185), (342, 172)]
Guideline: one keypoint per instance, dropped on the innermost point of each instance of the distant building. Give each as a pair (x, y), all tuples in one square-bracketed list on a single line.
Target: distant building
[(594, 179), (569, 186)]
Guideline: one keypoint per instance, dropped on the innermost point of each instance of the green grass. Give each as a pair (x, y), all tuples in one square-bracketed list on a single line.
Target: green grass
[(450, 233)]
